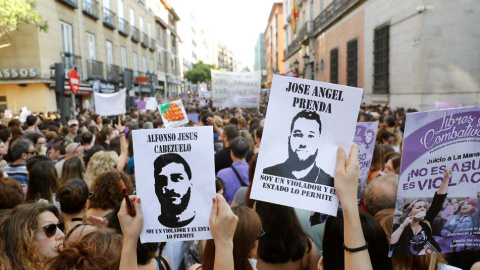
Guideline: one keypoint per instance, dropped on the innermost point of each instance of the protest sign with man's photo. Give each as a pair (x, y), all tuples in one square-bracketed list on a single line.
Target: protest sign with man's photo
[(306, 122), (175, 177), (437, 209), (173, 113)]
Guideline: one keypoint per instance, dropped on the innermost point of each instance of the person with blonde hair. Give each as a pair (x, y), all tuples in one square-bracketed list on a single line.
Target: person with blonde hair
[(102, 161)]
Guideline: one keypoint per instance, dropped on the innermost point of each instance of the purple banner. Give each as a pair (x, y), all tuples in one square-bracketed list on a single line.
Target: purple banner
[(365, 134)]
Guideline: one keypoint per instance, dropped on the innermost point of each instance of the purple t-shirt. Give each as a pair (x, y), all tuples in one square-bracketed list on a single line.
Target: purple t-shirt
[(230, 179)]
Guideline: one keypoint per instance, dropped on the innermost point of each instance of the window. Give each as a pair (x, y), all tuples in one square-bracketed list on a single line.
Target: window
[(334, 65), (149, 29), (121, 11), (123, 54), (144, 62), (106, 4), (352, 63), (67, 37), (194, 55), (135, 64), (194, 43), (3, 103), (109, 53), (381, 60), (160, 60), (140, 23), (152, 69), (91, 46), (132, 17)]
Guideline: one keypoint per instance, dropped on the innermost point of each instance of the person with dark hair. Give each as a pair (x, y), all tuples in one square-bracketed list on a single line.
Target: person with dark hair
[(34, 160), (219, 186), (305, 132), (32, 125), (223, 158), (158, 123), (39, 142), (14, 123), (237, 175), (114, 145), (21, 150), (72, 169), (273, 252), (57, 153), (86, 141), (104, 136), (393, 164), (43, 183), (258, 139), (173, 187)]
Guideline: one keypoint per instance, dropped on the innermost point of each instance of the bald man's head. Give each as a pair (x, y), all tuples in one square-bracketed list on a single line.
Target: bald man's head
[(74, 149), (381, 193)]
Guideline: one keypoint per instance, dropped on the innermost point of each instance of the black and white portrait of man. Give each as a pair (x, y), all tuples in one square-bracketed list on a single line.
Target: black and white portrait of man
[(303, 149), (173, 187)]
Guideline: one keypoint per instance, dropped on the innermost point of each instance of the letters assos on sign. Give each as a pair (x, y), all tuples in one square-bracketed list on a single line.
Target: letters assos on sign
[(15, 73)]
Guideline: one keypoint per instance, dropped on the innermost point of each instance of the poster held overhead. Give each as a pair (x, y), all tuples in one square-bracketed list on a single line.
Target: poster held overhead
[(173, 113), (110, 104), (176, 181), (439, 184), (236, 89), (306, 122), (151, 104)]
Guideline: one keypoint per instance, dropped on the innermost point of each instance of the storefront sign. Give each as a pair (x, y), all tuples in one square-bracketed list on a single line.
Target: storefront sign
[(17, 73), (99, 87)]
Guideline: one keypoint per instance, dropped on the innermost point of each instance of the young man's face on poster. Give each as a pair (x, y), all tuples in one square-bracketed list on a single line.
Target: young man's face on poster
[(173, 185), (304, 139)]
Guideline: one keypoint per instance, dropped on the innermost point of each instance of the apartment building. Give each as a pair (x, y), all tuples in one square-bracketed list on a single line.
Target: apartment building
[(104, 41), (403, 53), (260, 63), (274, 44), (225, 58)]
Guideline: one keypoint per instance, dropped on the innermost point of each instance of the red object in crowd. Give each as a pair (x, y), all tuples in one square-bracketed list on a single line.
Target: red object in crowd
[(74, 81)]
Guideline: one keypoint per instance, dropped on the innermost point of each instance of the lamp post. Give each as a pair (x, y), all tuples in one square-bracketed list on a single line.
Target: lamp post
[(306, 57), (295, 65)]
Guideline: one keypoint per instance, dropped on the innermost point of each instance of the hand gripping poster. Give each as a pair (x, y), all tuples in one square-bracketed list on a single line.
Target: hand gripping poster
[(306, 122), (437, 208), (175, 178), (173, 113)]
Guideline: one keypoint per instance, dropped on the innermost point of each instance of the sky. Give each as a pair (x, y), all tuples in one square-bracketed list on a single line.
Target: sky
[(236, 23)]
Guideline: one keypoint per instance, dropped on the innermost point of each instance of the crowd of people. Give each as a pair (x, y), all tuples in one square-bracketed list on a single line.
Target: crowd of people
[(61, 206)]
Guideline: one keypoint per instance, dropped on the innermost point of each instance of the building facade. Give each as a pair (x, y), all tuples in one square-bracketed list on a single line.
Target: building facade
[(403, 53), (105, 41), (274, 43), (260, 63)]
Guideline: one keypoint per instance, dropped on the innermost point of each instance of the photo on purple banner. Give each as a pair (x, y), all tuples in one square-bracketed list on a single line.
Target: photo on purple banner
[(439, 185)]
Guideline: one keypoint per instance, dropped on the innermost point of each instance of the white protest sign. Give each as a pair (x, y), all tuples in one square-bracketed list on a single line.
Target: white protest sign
[(151, 104), (173, 113), (205, 94), (236, 89), (8, 114), (446, 208), (175, 178), (110, 104), (306, 122)]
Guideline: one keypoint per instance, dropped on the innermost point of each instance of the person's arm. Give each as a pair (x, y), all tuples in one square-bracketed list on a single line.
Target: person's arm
[(447, 174), (346, 185), (476, 266), (222, 225), (123, 158), (398, 232), (131, 228), (215, 127)]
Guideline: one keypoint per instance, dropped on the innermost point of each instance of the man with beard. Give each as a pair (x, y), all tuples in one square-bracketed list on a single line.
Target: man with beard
[(303, 142), (173, 188)]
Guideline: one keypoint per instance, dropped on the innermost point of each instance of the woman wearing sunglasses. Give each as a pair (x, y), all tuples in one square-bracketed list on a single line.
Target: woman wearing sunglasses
[(32, 234)]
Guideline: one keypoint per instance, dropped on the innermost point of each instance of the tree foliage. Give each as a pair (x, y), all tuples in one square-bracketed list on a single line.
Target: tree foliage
[(14, 13), (200, 72)]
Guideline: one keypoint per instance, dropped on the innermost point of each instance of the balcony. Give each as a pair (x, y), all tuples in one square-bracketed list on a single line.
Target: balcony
[(109, 18), (90, 8), (70, 3), (94, 70), (113, 73), (71, 61), (151, 44), (144, 40), (123, 27), (333, 11), (135, 34)]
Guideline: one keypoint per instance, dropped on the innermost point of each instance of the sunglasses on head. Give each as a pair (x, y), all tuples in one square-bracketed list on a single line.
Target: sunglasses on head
[(90, 195), (51, 229), (262, 233)]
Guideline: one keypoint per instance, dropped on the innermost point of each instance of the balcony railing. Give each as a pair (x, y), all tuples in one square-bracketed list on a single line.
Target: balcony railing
[(332, 12), (70, 3), (151, 44), (94, 70), (123, 27), (113, 73), (90, 8), (144, 40), (72, 61), (135, 34), (109, 18)]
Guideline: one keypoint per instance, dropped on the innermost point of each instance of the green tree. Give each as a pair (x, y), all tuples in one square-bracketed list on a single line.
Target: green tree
[(200, 72), (14, 13)]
